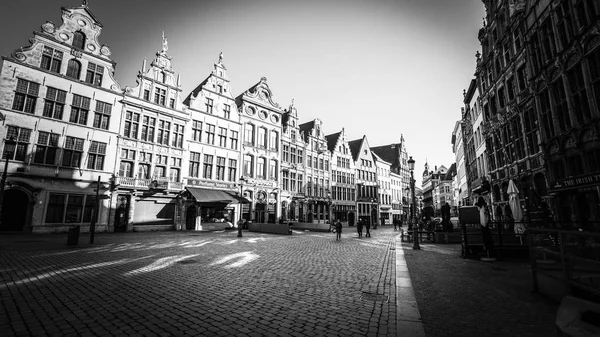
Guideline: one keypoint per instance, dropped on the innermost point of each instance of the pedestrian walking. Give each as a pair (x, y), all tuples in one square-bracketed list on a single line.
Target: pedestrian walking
[(368, 226), (338, 230), (359, 226), (395, 221)]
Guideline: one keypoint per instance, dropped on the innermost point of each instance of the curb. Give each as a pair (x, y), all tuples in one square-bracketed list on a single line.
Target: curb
[(408, 317)]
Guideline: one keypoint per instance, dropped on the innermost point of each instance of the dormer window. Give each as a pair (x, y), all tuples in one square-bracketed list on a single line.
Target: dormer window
[(78, 40)]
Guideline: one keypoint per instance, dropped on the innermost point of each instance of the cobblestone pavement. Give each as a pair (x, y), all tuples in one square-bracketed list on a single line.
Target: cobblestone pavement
[(198, 283), (459, 297)]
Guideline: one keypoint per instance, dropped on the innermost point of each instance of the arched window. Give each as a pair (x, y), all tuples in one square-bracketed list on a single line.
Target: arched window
[(78, 40), (74, 69)]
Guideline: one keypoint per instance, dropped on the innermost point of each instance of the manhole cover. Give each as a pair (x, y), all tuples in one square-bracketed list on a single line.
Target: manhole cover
[(187, 262), (374, 297)]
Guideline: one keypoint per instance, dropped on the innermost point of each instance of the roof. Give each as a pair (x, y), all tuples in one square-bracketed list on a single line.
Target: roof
[(451, 171), (355, 148), (195, 91), (332, 140), (388, 153), (305, 129)]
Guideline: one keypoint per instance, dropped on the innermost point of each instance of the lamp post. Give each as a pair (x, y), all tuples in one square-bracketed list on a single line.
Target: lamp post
[(411, 167), (241, 221), (9, 148)]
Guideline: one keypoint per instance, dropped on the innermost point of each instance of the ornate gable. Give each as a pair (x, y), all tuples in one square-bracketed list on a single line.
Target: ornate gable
[(261, 92)]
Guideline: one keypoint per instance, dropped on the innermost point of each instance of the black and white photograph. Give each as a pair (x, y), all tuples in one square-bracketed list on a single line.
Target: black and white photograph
[(425, 168)]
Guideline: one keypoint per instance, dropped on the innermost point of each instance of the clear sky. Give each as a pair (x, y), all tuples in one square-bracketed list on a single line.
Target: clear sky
[(378, 68)]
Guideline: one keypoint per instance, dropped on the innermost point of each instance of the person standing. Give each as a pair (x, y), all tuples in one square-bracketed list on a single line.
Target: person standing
[(368, 226), (359, 226), (338, 230), (395, 221)]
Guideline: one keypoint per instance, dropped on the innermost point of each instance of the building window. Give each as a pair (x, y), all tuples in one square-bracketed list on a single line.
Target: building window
[(102, 115), (25, 96), (531, 130), (210, 134), (219, 88), (262, 137), (54, 104), (143, 171), (21, 136), (293, 155), (286, 154), (286, 180), (194, 164), (208, 166), (273, 169), (197, 131), (248, 165), (586, 12), (293, 182), (132, 121), (74, 69), (233, 140), (160, 172), (261, 167), (79, 40), (126, 167), (79, 109), (510, 87), (146, 94), (72, 152), (521, 78), (227, 111), (94, 74), (564, 23), (546, 32), (249, 134), (232, 170), (148, 127), (46, 148), (561, 109), (274, 141), (175, 170), (579, 95), (51, 59), (209, 105), (594, 65), (220, 168), (177, 135), (159, 96), (164, 128), (172, 103), (96, 156), (56, 208), (501, 97), (174, 173), (222, 137)]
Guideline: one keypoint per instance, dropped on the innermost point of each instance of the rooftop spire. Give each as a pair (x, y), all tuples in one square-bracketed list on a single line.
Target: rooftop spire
[(221, 58), (84, 3), (165, 45)]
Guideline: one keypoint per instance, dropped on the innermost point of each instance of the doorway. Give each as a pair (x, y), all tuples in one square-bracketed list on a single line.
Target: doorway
[(190, 218), (259, 213), (14, 210)]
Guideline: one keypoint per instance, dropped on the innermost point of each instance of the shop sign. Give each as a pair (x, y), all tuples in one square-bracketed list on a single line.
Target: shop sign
[(261, 183), (572, 183), (211, 184)]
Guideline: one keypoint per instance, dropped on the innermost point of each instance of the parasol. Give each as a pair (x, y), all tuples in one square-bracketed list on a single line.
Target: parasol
[(515, 207)]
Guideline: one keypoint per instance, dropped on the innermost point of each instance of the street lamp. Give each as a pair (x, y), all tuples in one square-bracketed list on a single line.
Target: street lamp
[(9, 148), (241, 222), (411, 167)]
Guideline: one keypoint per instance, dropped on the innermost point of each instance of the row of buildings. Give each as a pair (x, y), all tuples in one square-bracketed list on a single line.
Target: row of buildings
[(531, 112), (153, 157)]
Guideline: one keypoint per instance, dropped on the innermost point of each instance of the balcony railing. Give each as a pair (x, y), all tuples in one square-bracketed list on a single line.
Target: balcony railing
[(161, 183)]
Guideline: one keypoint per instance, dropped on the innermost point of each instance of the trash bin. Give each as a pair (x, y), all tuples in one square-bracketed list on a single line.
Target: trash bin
[(73, 236)]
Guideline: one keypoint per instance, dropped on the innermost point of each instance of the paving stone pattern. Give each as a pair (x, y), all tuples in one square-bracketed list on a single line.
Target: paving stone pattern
[(199, 284), (461, 297)]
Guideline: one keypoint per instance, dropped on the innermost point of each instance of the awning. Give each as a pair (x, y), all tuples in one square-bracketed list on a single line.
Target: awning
[(208, 195)]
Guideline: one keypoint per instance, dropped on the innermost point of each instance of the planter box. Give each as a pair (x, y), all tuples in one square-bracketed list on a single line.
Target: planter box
[(270, 228)]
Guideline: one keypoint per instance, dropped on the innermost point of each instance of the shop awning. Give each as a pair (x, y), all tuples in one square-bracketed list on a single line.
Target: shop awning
[(209, 195)]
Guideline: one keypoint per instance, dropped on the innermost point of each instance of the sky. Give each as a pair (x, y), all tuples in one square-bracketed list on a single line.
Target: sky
[(379, 68)]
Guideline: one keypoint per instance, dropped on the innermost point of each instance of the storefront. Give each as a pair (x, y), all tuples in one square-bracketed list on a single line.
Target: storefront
[(208, 209), (577, 202)]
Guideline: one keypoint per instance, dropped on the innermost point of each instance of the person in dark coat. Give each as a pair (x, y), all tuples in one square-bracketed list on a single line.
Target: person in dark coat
[(359, 227), (338, 230), (368, 226), (395, 221)]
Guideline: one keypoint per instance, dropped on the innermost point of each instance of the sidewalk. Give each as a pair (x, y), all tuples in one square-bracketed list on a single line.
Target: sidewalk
[(462, 297)]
